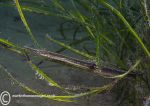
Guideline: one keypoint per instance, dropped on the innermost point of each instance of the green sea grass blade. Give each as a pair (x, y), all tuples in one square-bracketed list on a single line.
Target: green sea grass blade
[(82, 19), (113, 55), (126, 73), (58, 4), (84, 4), (40, 72), (33, 8), (96, 90), (25, 23), (146, 11), (114, 10), (6, 43), (70, 48), (10, 46), (39, 10)]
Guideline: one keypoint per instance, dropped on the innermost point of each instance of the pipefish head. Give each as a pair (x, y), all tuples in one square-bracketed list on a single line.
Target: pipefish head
[(93, 66)]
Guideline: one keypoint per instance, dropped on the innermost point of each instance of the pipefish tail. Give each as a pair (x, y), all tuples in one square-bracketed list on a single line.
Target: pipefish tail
[(82, 64)]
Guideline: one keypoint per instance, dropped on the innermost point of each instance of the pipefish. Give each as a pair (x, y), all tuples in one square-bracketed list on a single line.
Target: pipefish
[(82, 64)]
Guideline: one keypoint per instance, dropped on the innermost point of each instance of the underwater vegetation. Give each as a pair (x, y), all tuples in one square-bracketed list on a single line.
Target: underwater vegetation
[(118, 32)]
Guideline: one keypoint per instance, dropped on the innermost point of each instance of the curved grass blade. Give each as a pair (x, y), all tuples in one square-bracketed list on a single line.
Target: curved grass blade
[(126, 73), (25, 23), (96, 90), (48, 79), (70, 48)]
